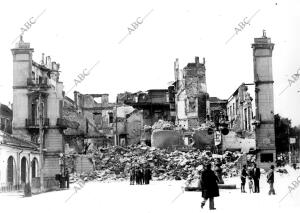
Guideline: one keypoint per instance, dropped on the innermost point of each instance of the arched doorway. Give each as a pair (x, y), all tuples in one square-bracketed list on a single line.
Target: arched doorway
[(23, 170), (34, 168), (10, 170)]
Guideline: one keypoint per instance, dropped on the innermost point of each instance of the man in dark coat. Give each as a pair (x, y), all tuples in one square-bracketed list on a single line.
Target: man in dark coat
[(67, 178), (137, 174), (143, 175), (243, 179), (256, 177), (209, 186), (270, 180), (132, 176), (147, 175)]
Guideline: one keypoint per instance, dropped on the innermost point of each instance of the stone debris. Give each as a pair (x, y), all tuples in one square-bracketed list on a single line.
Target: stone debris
[(114, 163), (163, 125), (282, 170)]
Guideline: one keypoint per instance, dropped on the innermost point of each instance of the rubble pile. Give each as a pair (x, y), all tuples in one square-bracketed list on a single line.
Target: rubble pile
[(282, 170), (229, 169), (231, 156), (163, 125), (114, 163)]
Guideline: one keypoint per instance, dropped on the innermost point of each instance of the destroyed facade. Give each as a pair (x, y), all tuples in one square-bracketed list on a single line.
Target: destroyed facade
[(52, 125), (191, 98)]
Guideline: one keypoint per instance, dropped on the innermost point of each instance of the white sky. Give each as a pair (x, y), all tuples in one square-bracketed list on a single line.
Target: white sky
[(77, 34)]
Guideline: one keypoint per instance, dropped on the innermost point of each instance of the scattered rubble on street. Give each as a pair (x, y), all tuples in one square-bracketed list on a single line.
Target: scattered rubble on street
[(113, 163)]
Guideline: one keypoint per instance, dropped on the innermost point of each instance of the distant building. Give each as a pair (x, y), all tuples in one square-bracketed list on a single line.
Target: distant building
[(217, 109), (156, 104), (105, 123), (240, 117), (240, 110)]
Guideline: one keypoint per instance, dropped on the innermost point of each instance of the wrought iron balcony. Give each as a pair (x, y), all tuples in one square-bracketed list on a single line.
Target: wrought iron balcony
[(41, 82), (34, 123)]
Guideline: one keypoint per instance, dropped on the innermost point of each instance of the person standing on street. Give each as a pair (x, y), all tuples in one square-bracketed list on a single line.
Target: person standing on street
[(243, 179), (143, 175), (67, 176), (270, 180), (256, 177), (131, 176), (209, 186), (138, 180), (147, 175)]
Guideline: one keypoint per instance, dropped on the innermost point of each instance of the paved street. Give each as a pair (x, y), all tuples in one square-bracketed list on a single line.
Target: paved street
[(158, 197)]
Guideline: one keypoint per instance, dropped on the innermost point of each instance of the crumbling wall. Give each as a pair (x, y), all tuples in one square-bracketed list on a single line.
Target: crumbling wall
[(202, 140), (202, 99), (167, 138), (194, 95), (193, 123), (233, 142), (71, 114), (134, 127), (83, 164)]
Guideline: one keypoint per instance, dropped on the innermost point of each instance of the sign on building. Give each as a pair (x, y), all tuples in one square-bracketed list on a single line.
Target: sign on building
[(292, 140), (217, 138)]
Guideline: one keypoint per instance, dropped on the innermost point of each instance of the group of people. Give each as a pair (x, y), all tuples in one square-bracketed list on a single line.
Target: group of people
[(253, 175), (209, 182), (140, 175)]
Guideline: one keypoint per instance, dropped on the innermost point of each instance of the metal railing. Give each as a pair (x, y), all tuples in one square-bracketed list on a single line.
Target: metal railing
[(41, 82), (35, 122)]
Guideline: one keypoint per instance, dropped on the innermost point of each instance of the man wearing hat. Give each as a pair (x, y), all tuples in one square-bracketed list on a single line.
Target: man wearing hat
[(209, 186)]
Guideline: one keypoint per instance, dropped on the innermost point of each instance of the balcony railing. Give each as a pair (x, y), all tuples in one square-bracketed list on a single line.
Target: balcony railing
[(34, 123), (41, 82)]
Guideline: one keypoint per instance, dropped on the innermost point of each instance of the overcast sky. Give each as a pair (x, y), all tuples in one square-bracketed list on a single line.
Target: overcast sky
[(78, 34)]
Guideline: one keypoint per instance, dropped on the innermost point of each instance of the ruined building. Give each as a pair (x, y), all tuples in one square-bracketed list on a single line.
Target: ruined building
[(240, 117), (101, 122), (217, 109), (156, 104), (239, 110), (37, 108), (264, 100), (191, 98)]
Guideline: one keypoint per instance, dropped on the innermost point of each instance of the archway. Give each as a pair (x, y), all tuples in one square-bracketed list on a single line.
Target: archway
[(10, 170), (34, 168), (23, 170)]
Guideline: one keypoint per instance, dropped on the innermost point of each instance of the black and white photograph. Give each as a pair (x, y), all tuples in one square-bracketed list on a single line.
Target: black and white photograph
[(150, 106)]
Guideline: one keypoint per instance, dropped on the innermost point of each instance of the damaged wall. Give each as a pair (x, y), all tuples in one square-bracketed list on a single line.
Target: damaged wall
[(191, 94), (134, 127), (167, 138), (233, 142)]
